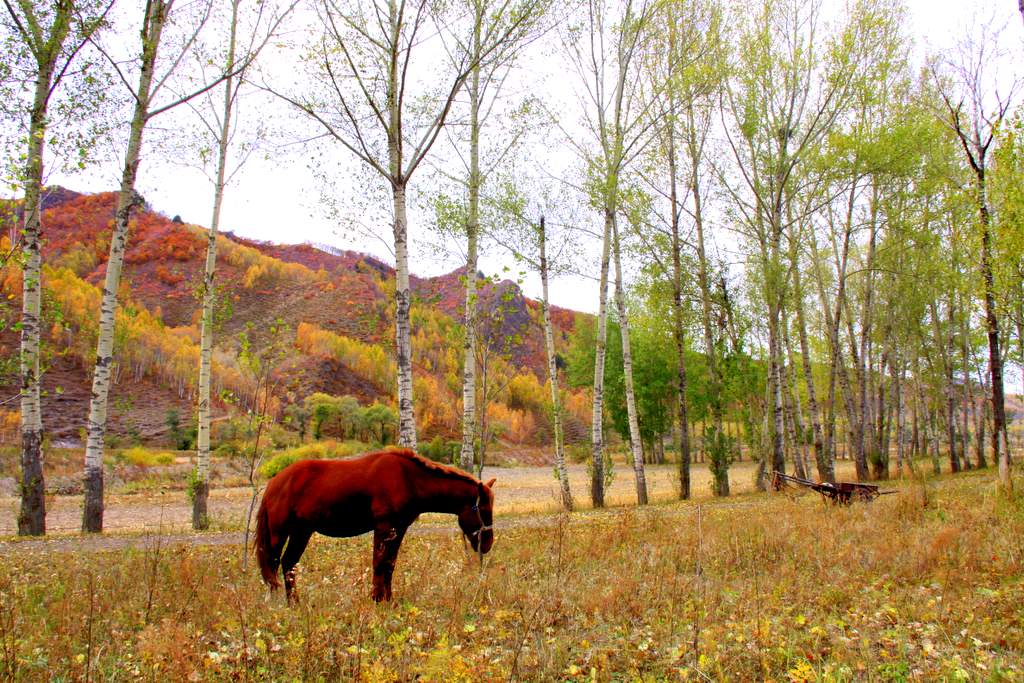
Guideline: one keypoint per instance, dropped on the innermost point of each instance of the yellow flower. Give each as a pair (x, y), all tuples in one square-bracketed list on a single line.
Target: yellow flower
[(802, 673)]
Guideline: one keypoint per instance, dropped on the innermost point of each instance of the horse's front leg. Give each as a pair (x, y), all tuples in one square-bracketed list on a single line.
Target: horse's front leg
[(387, 538)]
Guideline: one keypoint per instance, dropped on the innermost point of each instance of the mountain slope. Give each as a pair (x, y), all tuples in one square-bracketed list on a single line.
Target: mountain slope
[(344, 295)]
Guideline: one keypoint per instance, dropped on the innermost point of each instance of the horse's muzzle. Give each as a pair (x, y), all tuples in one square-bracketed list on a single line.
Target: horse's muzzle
[(481, 540)]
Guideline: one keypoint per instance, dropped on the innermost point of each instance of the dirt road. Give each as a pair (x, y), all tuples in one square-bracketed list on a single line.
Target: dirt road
[(139, 519)]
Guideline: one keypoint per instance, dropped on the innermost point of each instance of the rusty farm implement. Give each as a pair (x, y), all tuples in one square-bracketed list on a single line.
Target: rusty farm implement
[(840, 492)]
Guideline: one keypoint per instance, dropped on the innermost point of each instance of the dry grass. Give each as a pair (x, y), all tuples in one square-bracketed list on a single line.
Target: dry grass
[(535, 489), (923, 585)]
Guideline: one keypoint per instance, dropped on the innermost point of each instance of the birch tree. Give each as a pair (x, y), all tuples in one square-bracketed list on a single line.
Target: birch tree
[(687, 57), (218, 125), (491, 64), (528, 242), (635, 440), (975, 106), (605, 52), (789, 86), (155, 76), (49, 39), (374, 99), (549, 345)]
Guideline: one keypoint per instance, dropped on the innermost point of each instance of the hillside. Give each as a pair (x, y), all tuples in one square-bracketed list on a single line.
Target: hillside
[(337, 304)]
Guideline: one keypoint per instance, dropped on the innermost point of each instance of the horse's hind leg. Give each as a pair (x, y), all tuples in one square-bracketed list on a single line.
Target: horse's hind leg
[(297, 541)]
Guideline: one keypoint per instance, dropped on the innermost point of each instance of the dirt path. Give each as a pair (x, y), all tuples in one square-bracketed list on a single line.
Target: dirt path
[(428, 525), (526, 496)]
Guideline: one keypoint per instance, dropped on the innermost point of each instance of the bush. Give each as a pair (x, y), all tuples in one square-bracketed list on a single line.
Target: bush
[(279, 462), (228, 449), (281, 437), (721, 450), (318, 450), (349, 448), (181, 439), (314, 451), (578, 452), (440, 450), (233, 429), (143, 457)]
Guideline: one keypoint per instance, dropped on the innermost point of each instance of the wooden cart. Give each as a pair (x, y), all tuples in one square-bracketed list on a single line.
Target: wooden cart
[(840, 492)]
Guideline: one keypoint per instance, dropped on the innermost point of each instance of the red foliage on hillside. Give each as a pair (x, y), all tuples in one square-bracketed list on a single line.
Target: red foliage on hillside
[(342, 292)]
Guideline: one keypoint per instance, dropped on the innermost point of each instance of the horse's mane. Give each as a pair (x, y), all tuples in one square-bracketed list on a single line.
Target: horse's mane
[(435, 466)]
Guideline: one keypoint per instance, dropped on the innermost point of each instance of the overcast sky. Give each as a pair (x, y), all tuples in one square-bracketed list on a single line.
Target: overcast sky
[(278, 200)]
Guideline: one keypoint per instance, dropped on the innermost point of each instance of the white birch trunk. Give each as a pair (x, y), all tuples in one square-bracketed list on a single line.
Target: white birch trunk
[(403, 342), (824, 460), (403, 294), (32, 517), (978, 416), (797, 429), (862, 361), (965, 434), (472, 246), (775, 386), (678, 331), (556, 394), (92, 517), (201, 486), (934, 440), (635, 445), (837, 370), (901, 419), (597, 423), (46, 47), (703, 274)]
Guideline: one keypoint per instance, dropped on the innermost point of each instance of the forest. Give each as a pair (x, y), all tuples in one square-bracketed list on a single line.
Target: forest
[(812, 227), (633, 258)]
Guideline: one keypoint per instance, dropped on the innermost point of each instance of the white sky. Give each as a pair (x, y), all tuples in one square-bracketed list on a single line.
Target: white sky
[(277, 200)]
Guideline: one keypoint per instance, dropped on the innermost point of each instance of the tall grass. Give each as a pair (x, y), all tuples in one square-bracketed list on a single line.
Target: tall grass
[(923, 585)]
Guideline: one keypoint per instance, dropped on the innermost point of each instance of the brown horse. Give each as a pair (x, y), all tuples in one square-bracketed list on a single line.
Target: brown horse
[(381, 492)]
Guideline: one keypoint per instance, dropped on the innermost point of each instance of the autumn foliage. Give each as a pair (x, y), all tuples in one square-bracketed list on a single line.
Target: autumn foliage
[(338, 305)]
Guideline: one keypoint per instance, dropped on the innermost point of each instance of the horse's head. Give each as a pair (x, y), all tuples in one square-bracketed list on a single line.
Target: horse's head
[(476, 519)]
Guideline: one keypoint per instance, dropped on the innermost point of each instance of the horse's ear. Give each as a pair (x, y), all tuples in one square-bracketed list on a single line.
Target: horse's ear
[(490, 484)]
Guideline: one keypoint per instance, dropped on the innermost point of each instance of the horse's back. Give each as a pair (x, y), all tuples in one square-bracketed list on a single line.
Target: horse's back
[(334, 497)]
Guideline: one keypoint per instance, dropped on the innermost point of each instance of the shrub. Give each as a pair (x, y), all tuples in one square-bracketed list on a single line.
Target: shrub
[(233, 429), (721, 450), (168, 277), (440, 450), (578, 452), (278, 463), (318, 450), (181, 439), (143, 457), (228, 449), (350, 448), (281, 437)]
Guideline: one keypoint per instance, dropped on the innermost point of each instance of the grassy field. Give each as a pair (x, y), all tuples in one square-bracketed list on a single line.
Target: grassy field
[(923, 585)]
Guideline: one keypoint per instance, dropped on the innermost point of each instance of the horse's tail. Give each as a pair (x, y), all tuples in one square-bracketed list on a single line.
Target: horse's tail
[(266, 556)]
